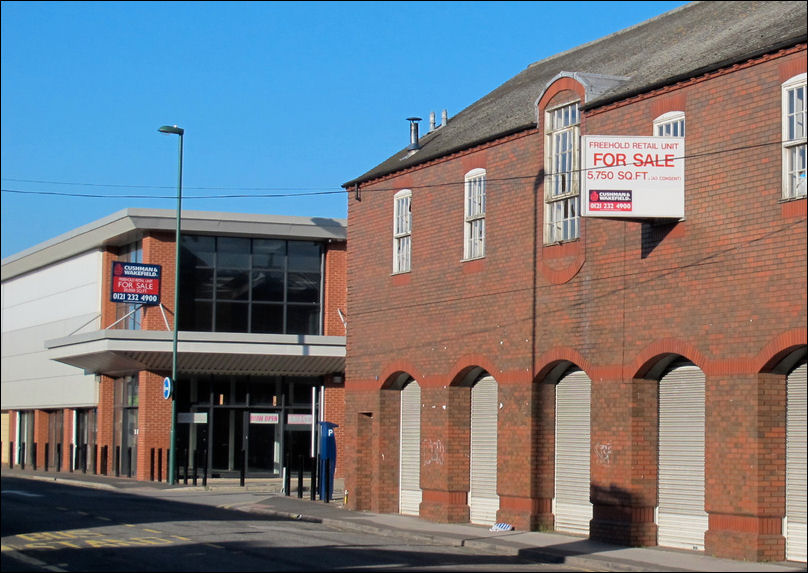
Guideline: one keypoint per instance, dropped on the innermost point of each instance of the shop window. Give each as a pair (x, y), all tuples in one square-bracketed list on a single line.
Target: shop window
[(562, 183), (474, 215), (794, 138)]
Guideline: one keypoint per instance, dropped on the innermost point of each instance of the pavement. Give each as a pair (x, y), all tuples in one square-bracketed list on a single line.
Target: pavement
[(576, 552)]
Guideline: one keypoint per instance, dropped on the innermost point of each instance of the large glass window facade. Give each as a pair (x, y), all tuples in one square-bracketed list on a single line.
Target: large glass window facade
[(234, 284)]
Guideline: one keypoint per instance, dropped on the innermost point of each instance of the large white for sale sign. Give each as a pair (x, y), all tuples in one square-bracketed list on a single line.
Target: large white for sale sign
[(633, 177)]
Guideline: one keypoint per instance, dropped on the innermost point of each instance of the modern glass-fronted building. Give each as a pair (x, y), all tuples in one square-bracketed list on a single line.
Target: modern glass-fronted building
[(260, 353)]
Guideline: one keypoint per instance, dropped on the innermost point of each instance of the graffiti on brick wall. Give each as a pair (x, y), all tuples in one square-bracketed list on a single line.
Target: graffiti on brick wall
[(433, 452), (604, 453)]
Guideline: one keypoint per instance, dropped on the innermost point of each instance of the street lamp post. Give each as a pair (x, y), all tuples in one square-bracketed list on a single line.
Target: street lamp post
[(173, 129)]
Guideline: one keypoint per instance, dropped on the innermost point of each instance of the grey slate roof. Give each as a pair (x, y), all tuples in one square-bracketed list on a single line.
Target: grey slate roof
[(685, 42)]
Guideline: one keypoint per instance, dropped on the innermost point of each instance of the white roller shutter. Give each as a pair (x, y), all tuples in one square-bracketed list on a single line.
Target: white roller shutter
[(681, 518), (483, 498), (796, 460), (572, 508), (410, 470)]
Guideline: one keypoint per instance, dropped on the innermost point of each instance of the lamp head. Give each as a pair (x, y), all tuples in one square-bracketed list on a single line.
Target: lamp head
[(171, 129)]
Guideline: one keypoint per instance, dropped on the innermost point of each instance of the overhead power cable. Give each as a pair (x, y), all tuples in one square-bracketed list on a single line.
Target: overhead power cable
[(314, 191)]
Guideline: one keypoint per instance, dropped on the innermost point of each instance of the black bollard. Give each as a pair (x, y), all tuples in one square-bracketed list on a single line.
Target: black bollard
[(300, 477), (313, 489), (243, 467), (287, 478)]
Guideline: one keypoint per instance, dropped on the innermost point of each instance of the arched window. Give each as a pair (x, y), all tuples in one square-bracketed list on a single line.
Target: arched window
[(794, 138), (474, 215), (402, 231), (671, 124), (562, 186)]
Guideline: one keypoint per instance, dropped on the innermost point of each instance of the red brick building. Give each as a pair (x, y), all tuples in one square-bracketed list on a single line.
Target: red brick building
[(529, 345), (260, 352)]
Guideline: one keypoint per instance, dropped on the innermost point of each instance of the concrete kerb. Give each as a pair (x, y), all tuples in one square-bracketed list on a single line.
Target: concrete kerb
[(495, 545), (540, 555), (538, 547)]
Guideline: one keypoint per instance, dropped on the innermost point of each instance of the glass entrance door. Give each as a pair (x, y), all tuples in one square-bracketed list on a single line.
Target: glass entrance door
[(227, 440), (129, 442), (264, 450)]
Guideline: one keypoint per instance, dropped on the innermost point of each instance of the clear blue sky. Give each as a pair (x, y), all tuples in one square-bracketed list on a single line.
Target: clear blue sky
[(276, 98)]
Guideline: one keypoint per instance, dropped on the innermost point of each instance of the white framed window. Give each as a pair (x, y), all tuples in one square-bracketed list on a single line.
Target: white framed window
[(794, 139), (671, 124), (562, 183), (474, 215), (402, 231)]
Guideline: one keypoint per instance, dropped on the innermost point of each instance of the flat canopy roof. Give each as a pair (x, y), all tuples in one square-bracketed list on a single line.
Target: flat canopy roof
[(129, 225), (123, 352)]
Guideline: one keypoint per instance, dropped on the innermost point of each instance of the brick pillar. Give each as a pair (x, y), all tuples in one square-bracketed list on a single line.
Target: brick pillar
[(516, 454), (361, 410), (106, 424), (388, 452), (445, 433), (624, 461), (543, 447), (154, 422), (335, 412), (40, 437), (745, 455)]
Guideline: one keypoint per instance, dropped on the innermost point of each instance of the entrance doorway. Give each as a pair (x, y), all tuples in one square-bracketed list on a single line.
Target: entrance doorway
[(260, 425)]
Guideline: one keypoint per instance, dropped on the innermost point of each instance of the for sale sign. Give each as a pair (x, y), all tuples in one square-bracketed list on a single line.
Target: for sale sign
[(633, 177), (135, 283)]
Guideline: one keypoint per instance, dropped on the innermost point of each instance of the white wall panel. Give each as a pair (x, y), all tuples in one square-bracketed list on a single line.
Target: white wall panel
[(65, 290), (42, 305)]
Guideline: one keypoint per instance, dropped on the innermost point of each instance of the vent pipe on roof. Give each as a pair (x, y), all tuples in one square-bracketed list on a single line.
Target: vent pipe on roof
[(431, 121), (444, 117), (414, 145)]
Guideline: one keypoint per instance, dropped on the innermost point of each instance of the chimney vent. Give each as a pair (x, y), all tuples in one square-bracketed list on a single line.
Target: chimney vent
[(431, 121), (414, 145), (444, 117)]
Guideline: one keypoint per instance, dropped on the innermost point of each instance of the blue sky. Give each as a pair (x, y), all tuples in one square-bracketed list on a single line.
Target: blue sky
[(281, 102)]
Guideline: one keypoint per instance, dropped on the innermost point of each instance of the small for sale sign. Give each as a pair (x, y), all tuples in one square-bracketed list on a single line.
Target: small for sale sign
[(135, 283)]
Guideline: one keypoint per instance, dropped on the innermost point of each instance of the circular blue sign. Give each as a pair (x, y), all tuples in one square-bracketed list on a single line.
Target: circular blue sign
[(167, 388)]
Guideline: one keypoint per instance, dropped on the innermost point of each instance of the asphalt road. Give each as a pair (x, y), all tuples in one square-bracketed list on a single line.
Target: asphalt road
[(48, 526)]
